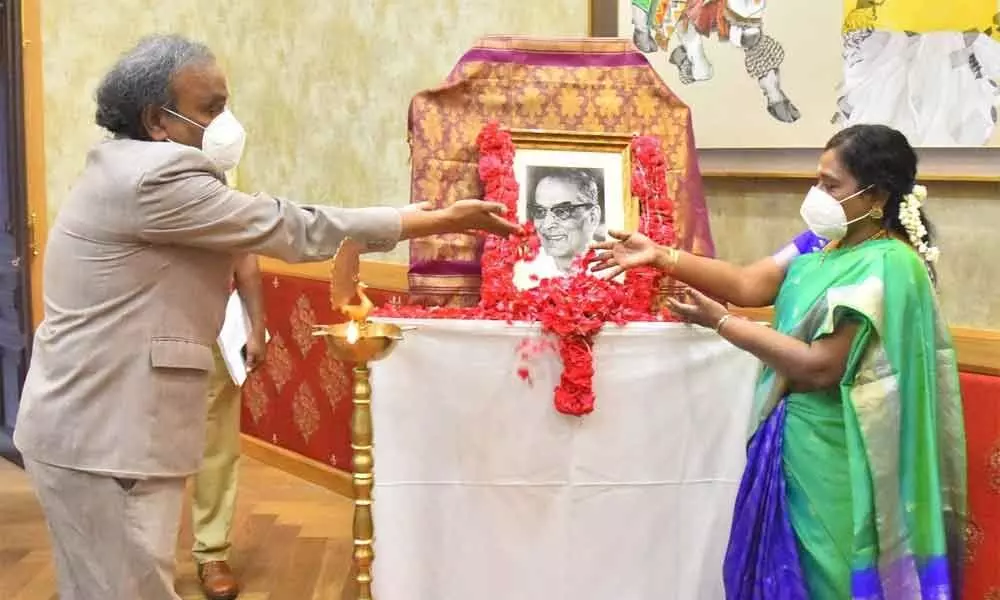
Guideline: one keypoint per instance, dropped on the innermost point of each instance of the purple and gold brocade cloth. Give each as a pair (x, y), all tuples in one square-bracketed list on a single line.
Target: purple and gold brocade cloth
[(576, 85)]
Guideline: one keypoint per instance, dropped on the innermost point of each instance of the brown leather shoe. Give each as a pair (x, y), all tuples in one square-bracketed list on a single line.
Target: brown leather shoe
[(218, 581)]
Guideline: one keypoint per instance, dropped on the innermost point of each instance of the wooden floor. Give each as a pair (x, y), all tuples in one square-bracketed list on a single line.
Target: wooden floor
[(291, 540)]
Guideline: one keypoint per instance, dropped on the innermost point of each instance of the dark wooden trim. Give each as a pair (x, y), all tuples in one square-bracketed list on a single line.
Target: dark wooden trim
[(603, 18), (7, 449), (15, 168), (13, 69)]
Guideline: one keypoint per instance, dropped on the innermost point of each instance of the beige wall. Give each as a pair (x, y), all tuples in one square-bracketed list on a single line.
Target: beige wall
[(752, 218), (322, 86)]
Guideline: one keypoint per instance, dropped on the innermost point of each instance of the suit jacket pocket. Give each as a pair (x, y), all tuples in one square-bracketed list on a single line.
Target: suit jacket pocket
[(178, 390), (176, 353)]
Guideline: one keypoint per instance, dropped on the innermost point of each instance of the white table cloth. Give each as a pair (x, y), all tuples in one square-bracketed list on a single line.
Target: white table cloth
[(483, 491)]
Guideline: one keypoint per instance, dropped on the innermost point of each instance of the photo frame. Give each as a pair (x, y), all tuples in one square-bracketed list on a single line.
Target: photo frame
[(573, 187)]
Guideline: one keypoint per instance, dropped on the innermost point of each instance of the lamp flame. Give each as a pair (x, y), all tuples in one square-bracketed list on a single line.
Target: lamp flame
[(353, 332)]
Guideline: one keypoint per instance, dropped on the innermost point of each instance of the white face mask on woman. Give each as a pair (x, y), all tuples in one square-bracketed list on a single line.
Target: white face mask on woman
[(223, 140), (825, 215)]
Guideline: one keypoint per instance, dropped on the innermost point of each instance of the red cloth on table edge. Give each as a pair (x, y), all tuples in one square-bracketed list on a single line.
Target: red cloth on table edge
[(981, 399)]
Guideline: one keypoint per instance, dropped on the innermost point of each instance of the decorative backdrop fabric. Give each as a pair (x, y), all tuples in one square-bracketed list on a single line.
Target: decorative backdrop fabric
[(586, 85), (483, 490)]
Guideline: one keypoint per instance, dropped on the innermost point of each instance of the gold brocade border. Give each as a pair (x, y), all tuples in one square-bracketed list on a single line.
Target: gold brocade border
[(449, 284), (978, 349), (556, 45)]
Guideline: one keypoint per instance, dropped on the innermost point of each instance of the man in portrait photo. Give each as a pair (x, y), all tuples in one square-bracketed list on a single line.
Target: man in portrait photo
[(566, 206)]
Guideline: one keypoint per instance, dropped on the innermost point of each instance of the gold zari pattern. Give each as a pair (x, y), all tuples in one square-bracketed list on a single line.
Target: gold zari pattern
[(591, 85)]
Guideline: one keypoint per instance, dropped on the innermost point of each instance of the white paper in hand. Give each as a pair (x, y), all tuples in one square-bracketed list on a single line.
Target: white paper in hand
[(233, 338)]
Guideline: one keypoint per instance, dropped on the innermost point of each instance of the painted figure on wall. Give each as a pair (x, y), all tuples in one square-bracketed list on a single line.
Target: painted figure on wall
[(927, 68), (691, 22)]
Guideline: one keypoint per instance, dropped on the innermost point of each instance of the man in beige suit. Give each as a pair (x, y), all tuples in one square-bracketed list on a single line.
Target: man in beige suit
[(136, 279)]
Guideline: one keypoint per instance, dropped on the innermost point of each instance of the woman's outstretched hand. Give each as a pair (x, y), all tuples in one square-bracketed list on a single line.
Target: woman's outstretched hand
[(622, 252), (700, 309)]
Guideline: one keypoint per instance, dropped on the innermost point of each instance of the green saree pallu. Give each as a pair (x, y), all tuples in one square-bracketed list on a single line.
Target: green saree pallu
[(645, 5), (857, 491)]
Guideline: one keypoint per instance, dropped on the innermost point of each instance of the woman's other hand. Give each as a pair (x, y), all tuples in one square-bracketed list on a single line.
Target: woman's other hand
[(700, 309)]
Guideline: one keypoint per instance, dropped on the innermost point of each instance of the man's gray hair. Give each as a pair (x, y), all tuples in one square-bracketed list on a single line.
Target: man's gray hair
[(582, 180), (142, 77), (587, 190)]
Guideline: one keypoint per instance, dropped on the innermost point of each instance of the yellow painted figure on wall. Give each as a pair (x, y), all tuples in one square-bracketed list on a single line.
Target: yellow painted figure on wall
[(928, 68), (928, 16), (739, 22)]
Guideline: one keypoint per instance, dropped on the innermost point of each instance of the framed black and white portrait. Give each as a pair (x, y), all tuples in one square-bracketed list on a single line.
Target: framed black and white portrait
[(573, 188)]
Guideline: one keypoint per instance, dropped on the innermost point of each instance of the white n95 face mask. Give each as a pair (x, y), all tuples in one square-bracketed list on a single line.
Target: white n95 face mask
[(825, 215), (223, 140)]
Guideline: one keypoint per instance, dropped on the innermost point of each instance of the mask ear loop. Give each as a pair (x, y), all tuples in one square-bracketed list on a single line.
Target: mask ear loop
[(876, 213), (871, 213), (180, 116), (856, 194)]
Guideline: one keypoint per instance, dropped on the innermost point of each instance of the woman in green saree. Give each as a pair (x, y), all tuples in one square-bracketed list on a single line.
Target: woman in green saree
[(855, 478)]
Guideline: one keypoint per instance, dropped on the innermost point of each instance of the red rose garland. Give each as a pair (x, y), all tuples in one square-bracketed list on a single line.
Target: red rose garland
[(573, 308), (656, 219)]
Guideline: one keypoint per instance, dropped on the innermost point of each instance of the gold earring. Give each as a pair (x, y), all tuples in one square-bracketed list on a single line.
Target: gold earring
[(876, 214)]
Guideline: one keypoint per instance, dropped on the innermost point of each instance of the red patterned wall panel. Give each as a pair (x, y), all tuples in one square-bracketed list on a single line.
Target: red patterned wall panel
[(301, 401), (981, 395)]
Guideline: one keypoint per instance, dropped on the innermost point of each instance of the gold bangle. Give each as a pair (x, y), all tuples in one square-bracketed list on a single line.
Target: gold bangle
[(722, 321), (673, 255)]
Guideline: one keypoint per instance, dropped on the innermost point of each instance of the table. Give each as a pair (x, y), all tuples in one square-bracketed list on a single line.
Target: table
[(483, 491)]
